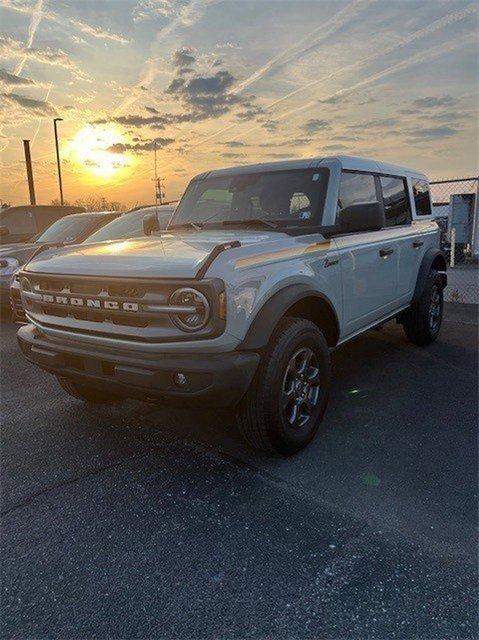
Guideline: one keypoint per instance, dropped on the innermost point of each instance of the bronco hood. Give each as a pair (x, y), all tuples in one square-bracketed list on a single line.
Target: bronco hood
[(168, 256)]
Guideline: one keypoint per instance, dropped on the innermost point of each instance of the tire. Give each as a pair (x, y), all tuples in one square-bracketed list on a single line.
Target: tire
[(266, 416), (422, 321), (87, 393)]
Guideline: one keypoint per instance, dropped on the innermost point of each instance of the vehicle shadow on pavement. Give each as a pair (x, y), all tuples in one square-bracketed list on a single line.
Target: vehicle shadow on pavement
[(397, 445)]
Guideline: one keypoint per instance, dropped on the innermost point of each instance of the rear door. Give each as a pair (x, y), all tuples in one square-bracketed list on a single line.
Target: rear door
[(369, 260), (402, 234)]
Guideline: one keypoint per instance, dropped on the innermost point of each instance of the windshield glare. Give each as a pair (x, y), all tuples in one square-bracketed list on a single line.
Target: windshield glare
[(67, 229), (289, 197)]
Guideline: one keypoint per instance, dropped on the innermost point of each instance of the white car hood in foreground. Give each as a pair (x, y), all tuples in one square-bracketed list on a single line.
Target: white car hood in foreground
[(169, 256)]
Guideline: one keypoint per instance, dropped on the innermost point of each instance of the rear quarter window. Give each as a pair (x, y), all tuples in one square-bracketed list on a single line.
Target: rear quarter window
[(422, 200), (397, 209)]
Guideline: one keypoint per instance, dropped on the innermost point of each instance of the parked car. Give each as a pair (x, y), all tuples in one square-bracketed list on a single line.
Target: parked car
[(70, 229), (19, 224), (130, 225), (264, 270)]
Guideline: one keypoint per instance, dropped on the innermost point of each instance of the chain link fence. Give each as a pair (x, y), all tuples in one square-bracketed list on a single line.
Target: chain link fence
[(455, 205)]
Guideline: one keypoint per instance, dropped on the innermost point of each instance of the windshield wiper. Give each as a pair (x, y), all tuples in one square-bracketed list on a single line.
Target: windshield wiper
[(197, 226), (251, 221)]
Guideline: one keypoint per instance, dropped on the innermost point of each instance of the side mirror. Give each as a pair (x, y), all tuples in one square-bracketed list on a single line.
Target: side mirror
[(4, 231), (361, 217), (150, 224)]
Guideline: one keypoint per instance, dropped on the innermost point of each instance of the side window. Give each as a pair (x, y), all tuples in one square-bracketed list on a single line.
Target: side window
[(356, 188), (422, 200), (20, 222), (396, 201)]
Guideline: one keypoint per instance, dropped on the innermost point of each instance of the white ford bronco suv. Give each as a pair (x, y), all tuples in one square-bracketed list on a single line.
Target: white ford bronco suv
[(262, 271)]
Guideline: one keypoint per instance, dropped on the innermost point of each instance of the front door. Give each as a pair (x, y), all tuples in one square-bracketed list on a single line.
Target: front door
[(369, 260)]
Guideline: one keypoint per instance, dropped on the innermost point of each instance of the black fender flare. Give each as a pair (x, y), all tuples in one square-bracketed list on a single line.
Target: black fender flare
[(429, 258), (263, 324)]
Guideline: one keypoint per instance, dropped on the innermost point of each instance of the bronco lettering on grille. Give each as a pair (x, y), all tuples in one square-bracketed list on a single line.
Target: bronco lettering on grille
[(91, 303)]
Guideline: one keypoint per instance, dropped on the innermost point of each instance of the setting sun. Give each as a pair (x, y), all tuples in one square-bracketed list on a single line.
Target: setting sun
[(97, 149)]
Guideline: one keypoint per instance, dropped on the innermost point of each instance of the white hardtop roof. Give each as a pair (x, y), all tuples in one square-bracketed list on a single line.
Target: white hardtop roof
[(347, 162)]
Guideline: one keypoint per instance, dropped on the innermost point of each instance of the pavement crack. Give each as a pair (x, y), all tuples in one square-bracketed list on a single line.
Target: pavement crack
[(64, 483)]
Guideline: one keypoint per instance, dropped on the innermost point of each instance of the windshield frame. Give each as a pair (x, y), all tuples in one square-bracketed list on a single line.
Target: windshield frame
[(283, 225)]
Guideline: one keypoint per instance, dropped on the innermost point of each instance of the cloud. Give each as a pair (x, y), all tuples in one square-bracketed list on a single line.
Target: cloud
[(432, 133), (201, 96), (38, 108), (233, 144), (232, 154), (184, 57), (252, 111), (378, 123), (10, 48), (96, 32), (140, 147), (314, 125), (335, 147), (12, 80), (430, 102)]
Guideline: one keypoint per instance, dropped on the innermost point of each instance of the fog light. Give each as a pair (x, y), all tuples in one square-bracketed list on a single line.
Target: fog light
[(180, 379)]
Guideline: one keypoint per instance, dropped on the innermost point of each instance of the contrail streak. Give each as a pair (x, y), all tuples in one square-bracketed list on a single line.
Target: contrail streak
[(35, 19), (150, 71), (440, 23), (47, 95), (432, 53), (330, 26)]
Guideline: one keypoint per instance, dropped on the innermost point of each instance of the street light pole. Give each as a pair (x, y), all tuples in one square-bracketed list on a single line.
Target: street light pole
[(55, 120)]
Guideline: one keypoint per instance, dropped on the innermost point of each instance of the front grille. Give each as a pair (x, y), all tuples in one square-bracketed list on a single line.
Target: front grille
[(133, 309)]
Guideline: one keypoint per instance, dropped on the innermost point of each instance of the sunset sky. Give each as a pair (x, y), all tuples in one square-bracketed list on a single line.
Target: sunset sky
[(226, 82)]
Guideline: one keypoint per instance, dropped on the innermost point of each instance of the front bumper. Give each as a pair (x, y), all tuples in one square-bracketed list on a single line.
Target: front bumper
[(211, 379)]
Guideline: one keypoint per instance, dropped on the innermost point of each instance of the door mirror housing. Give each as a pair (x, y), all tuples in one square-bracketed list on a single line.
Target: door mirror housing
[(4, 231), (150, 224), (361, 217)]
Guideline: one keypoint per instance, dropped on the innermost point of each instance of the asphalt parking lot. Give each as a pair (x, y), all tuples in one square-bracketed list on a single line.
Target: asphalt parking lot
[(136, 521)]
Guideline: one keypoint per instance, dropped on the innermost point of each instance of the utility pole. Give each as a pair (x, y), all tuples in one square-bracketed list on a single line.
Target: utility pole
[(159, 182), (28, 163), (55, 120)]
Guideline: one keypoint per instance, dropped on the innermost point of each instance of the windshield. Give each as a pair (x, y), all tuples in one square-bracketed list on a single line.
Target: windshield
[(130, 225), (67, 229), (289, 198)]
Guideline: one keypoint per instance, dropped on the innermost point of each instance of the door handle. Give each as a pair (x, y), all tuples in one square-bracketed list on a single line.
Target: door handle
[(417, 243), (385, 252)]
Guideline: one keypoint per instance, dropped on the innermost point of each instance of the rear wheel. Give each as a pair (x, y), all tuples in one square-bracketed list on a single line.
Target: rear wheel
[(87, 393), (423, 320), (285, 403)]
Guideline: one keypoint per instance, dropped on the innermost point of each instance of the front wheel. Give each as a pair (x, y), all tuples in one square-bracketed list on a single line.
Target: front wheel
[(423, 320), (285, 403)]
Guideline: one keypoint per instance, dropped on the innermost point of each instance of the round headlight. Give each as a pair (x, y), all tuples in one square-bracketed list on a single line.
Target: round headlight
[(25, 284), (197, 309)]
